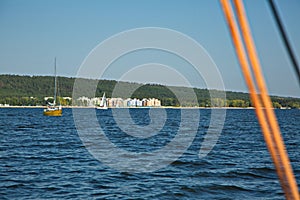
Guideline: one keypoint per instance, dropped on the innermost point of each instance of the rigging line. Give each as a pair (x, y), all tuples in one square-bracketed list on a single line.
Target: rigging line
[(289, 178), (274, 142), (285, 39), (240, 51), (55, 82)]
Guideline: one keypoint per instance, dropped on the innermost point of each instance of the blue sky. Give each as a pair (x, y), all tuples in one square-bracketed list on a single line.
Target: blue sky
[(33, 32)]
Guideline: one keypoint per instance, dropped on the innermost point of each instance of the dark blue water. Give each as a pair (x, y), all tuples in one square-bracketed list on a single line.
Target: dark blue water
[(44, 157)]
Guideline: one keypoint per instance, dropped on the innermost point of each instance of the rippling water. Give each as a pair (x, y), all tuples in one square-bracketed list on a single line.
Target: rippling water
[(43, 158)]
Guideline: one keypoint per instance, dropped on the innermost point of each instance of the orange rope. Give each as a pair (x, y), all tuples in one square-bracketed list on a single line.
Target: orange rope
[(265, 114), (247, 74), (290, 180)]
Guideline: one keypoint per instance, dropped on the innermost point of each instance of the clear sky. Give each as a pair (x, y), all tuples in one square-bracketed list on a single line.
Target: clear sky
[(33, 32)]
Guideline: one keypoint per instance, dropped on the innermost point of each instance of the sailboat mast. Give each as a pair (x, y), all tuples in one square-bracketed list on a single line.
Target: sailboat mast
[(55, 81)]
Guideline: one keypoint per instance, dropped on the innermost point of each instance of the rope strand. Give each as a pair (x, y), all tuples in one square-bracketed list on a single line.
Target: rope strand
[(262, 102)]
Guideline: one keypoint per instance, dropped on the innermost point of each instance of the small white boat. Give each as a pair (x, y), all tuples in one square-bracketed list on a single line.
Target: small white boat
[(103, 103)]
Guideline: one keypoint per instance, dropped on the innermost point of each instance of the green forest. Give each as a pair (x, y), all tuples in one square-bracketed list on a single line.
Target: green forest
[(31, 90)]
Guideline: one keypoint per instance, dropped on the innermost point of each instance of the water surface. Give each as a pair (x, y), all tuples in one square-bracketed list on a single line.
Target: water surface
[(44, 158)]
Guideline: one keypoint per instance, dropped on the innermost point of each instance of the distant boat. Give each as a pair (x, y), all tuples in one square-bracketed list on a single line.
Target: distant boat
[(103, 103), (52, 109)]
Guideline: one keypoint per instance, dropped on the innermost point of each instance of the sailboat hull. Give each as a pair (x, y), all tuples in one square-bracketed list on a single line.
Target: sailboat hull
[(101, 108), (57, 112)]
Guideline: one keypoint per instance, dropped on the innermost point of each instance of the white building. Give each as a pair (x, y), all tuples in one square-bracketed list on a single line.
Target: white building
[(118, 102)]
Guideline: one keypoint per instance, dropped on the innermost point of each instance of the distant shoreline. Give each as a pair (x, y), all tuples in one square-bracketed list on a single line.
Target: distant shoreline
[(164, 107), (161, 107)]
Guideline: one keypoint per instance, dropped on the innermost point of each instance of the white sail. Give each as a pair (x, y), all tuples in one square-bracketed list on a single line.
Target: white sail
[(103, 103)]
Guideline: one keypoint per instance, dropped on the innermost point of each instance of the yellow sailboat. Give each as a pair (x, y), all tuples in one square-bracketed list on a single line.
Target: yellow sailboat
[(52, 109)]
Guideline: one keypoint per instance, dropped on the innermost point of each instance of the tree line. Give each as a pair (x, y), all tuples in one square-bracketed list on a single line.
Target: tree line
[(31, 90)]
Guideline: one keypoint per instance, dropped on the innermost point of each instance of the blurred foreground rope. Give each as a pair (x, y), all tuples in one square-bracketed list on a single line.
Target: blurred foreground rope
[(259, 96)]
